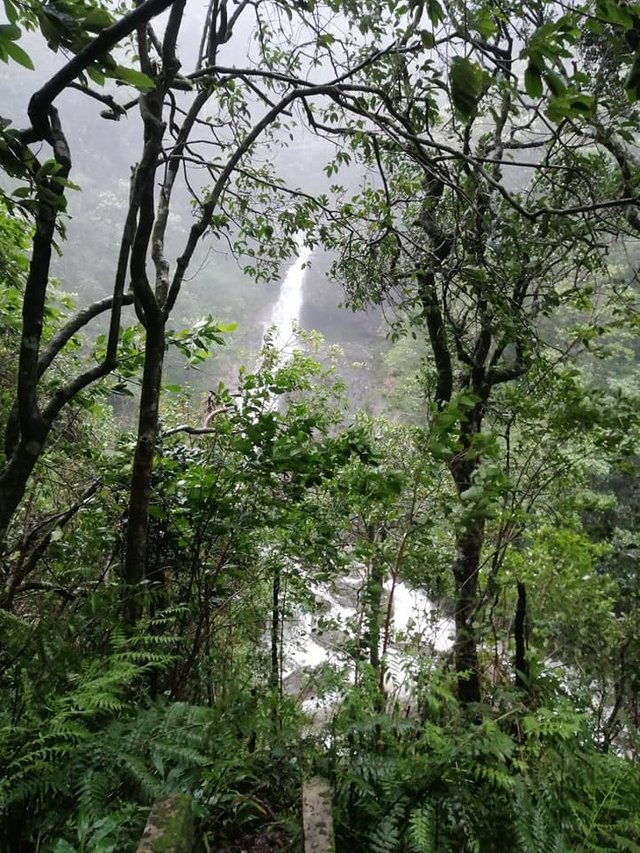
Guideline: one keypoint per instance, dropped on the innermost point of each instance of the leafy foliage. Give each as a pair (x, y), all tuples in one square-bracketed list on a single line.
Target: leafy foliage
[(494, 224), (444, 782)]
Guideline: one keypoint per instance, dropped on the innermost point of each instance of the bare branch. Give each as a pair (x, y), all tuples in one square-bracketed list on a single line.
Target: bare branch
[(74, 325), (209, 207), (24, 568), (116, 109)]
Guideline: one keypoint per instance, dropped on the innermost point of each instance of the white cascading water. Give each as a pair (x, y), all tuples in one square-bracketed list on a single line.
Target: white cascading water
[(415, 613), (416, 628), (285, 315)]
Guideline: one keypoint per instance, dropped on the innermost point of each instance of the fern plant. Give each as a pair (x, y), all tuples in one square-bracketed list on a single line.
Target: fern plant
[(450, 782), (68, 767)]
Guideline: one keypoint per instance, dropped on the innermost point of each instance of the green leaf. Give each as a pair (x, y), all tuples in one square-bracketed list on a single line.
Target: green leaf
[(96, 75), (18, 55), (582, 104), (533, 81), (9, 32), (626, 844), (65, 182), (466, 85), (97, 19), (49, 167), (555, 83), (10, 11), (326, 40), (614, 13), (570, 106), (133, 78), (428, 40), (435, 12), (485, 23)]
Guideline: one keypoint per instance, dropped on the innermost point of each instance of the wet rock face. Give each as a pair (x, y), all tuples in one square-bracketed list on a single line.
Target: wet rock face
[(170, 826)]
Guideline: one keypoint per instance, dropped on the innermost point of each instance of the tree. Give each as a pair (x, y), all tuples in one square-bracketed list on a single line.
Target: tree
[(31, 420), (489, 218), (383, 96), (482, 215), (239, 204)]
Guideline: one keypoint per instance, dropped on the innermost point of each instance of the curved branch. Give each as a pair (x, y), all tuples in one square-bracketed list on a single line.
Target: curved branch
[(208, 209), (117, 109), (170, 62), (48, 354), (24, 569), (50, 201), (628, 165), (81, 319), (437, 337), (204, 430), (41, 101)]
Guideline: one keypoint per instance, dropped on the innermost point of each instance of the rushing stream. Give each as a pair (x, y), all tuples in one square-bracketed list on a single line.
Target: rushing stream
[(312, 639)]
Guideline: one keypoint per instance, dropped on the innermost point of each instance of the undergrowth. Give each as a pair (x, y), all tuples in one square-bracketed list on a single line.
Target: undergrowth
[(85, 752), (81, 767), (443, 779)]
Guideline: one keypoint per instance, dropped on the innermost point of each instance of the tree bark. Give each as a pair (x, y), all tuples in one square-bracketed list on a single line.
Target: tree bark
[(32, 549), (23, 452), (135, 568), (373, 603), (468, 551), (520, 631), (14, 479), (33, 427), (466, 565), (274, 679), (41, 101)]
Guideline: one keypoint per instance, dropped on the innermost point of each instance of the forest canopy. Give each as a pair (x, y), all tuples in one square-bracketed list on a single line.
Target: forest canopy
[(429, 600)]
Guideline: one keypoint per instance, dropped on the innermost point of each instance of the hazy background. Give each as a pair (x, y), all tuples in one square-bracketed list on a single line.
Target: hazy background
[(103, 154)]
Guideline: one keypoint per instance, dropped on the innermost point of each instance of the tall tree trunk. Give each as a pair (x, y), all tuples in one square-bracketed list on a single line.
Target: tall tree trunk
[(373, 600), (14, 479), (275, 631), (373, 604), (23, 454), (33, 428), (468, 550), (466, 565), (135, 568), (520, 631)]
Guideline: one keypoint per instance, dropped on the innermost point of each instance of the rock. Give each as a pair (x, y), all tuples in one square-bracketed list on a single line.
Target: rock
[(169, 827), (317, 819)]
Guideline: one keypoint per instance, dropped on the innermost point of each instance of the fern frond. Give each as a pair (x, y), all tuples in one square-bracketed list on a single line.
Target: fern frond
[(93, 793), (420, 831)]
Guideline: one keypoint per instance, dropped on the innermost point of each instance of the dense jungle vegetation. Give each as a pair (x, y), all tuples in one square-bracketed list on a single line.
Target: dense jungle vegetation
[(471, 171)]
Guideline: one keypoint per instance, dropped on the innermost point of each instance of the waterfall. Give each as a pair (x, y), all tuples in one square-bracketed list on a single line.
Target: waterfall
[(285, 314), (414, 612)]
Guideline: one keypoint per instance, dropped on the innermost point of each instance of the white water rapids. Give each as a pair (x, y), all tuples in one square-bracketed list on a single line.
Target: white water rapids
[(307, 642), (313, 639)]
